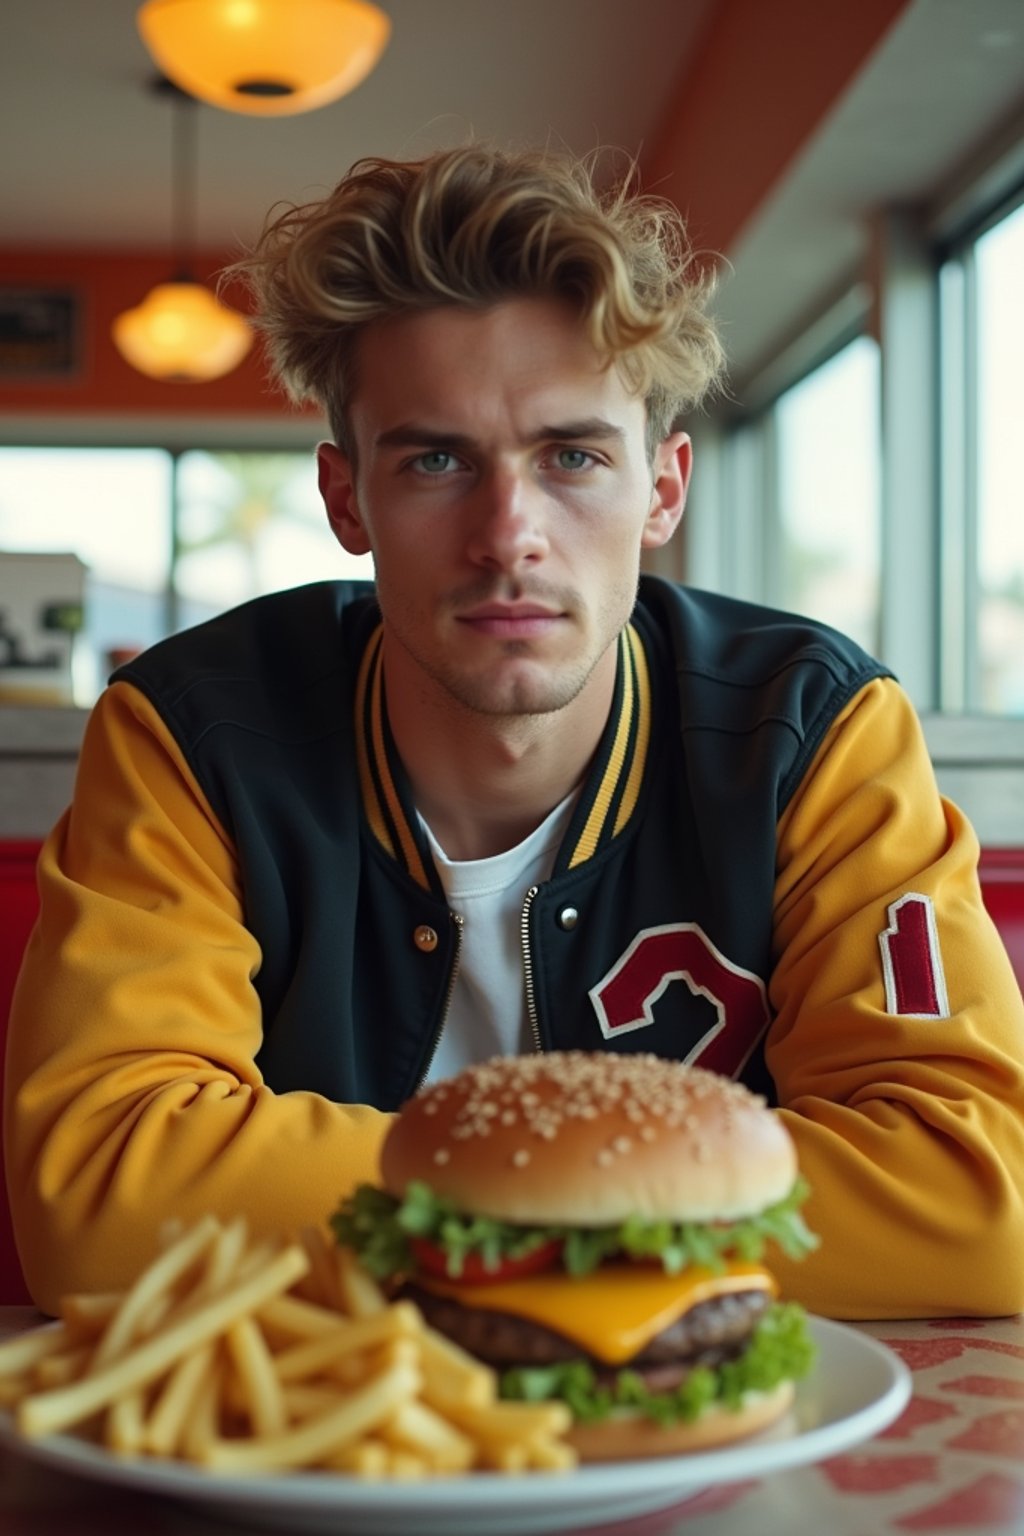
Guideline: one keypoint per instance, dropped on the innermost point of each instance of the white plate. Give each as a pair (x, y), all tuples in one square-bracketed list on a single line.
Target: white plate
[(857, 1388)]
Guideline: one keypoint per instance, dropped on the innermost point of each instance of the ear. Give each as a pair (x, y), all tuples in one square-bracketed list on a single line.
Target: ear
[(673, 464), (338, 489)]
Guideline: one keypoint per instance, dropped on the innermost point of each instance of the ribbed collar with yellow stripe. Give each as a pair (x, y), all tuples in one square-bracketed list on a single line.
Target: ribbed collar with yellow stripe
[(606, 802)]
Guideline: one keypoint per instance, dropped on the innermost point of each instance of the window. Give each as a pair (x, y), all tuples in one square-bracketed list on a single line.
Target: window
[(999, 305), (982, 334), (112, 510), (916, 549), (167, 540), (828, 467), (249, 523), (793, 518)]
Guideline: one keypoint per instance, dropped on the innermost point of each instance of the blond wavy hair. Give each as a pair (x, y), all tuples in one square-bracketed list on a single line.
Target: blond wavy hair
[(470, 227)]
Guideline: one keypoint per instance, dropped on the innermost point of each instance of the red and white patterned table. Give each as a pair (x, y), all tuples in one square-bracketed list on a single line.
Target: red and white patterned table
[(951, 1465)]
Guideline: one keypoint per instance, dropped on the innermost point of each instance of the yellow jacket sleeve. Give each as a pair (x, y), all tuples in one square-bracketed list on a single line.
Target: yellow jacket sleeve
[(132, 1093), (910, 1129)]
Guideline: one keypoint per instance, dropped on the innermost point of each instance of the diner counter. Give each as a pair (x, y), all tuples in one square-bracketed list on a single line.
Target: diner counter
[(978, 762), (953, 1462)]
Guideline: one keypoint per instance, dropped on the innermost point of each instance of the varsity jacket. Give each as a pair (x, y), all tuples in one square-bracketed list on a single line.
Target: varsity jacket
[(244, 958)]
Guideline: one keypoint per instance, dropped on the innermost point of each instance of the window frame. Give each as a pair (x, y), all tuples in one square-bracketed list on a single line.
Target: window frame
[(921, 308), (958, 231), (735, 516)]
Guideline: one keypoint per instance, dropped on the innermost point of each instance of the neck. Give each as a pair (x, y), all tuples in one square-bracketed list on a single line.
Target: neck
[(484, 782)]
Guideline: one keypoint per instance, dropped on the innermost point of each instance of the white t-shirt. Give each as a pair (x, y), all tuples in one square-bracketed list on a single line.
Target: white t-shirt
[(487, 1015)]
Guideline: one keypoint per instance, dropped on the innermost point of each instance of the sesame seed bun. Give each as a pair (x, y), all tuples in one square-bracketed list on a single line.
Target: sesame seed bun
[(580, 1138), (626, 1436)]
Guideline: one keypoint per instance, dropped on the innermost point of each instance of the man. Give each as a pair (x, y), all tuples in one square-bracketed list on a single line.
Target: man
[(335, 843)]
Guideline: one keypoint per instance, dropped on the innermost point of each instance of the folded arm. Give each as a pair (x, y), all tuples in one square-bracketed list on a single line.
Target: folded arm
[(132, 1093), (904, 1091)]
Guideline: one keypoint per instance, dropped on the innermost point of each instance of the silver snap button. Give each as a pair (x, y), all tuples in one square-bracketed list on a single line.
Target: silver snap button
[(425, 939), (568, 917)]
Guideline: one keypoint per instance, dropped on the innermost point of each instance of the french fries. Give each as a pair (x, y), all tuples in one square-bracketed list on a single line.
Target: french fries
[(253, 1358)]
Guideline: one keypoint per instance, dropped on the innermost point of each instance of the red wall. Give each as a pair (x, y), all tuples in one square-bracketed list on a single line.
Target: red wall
[(765, 75), (107, 283)]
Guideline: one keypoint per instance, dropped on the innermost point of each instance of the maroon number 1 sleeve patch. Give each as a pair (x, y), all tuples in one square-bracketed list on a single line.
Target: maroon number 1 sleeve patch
[(915, 985)]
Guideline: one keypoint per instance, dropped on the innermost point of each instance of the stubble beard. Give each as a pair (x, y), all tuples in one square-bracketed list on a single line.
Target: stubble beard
[(517, 696), (517, 686), (514, 686)]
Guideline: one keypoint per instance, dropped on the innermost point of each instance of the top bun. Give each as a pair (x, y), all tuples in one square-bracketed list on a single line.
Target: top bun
[(588, 1139)]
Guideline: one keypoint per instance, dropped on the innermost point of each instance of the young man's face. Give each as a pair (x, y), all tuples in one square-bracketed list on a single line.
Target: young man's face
[(503, 485)]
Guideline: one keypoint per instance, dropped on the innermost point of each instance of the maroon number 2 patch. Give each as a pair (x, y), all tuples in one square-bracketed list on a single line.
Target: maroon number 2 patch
[(915, 986), (624, 999)]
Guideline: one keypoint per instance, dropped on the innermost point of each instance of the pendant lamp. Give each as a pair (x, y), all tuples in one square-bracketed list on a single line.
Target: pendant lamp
[(181, 332), (265, 57)]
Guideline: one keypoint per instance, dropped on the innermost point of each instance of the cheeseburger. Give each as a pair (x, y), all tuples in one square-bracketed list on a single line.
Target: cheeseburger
[(592, 1226)]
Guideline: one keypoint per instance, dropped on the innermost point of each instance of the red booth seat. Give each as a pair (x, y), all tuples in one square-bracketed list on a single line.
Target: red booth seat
[(1002, 884), (18, 905)]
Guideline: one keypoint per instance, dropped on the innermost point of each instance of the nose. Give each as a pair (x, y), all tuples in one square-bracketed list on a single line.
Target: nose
[(508, 528)]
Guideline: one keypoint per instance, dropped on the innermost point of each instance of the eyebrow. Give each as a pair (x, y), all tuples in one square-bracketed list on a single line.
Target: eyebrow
[(409, 434)]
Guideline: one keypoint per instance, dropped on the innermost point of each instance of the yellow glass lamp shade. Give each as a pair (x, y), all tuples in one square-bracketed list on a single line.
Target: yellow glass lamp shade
[(265, 57), (181, 332)]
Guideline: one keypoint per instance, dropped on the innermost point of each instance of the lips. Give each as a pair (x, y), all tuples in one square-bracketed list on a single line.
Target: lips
[(511, 621)]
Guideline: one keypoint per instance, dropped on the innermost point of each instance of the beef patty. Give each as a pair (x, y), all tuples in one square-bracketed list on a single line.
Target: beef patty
[(709, 1333)]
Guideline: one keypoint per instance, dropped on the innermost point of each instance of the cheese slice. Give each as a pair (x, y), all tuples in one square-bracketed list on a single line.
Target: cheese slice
[(613, 1312)]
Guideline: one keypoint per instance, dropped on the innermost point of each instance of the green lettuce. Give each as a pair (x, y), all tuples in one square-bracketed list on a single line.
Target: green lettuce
[(780, 1349), (378, 1227)]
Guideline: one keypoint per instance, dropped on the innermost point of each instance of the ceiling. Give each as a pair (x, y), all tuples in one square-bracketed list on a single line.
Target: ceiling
[(85, 144), (940, 98)]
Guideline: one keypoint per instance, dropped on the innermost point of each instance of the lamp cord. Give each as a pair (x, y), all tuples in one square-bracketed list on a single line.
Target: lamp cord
[(184, 176)]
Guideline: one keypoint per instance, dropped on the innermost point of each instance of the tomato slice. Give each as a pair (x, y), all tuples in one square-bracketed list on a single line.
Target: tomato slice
[(433, 1261)]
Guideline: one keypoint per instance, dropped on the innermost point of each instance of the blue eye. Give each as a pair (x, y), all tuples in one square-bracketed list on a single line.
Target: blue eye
[(436, 462), (572, 458)]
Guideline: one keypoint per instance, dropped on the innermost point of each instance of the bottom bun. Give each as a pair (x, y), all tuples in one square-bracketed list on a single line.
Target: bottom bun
[(625, 1436)]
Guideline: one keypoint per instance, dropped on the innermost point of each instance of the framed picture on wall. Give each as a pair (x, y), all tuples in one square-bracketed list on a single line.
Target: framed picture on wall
[(39, 333)]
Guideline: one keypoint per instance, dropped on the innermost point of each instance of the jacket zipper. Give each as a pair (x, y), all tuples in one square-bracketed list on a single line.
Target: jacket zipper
[(531, 1000), (457, 919)]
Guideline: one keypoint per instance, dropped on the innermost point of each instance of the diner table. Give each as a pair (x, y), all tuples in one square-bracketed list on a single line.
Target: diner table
[(951, 1462)]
